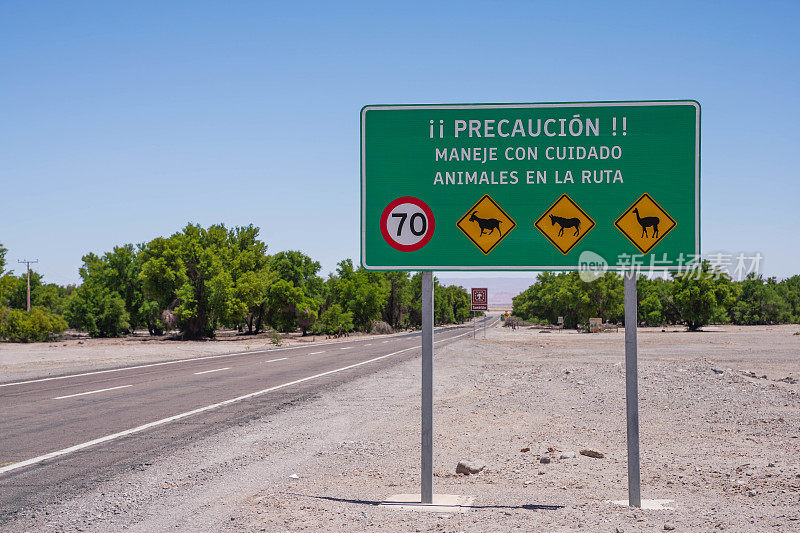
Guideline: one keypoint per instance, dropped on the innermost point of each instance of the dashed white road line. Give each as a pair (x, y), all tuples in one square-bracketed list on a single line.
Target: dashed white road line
[(384, 342), (215, 370), (315, 353), (143, 427), (91, 392), (345, 347), (274, 360), (370, 344), (162, 363)]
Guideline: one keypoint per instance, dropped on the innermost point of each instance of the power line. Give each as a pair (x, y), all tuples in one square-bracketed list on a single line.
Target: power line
[(29, 263)]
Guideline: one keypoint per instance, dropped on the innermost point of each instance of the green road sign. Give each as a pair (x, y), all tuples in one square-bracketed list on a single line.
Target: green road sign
[(530, 186)]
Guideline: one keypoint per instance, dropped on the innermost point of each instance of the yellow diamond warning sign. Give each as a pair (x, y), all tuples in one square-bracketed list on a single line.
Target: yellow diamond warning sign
[(486, 224), (564, 224), (645, 223)]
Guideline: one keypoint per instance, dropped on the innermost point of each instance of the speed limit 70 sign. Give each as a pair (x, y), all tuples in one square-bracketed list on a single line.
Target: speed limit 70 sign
[(407, 224)]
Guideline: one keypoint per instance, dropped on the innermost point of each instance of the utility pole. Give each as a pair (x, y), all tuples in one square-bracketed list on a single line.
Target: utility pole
[(29, 263)]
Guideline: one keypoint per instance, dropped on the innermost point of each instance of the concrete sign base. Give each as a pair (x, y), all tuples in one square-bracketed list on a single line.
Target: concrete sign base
[(653, 505), (442, 503)]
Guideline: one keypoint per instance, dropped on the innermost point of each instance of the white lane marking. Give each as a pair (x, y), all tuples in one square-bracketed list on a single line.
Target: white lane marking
[(273, 360), (189, 360), (215, 370), (370, 344), (384, 342), (91, 392), (315, 353), (345, 347), (167, 420)]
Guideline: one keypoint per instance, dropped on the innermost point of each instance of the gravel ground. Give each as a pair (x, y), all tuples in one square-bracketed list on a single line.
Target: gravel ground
[(723, 446)]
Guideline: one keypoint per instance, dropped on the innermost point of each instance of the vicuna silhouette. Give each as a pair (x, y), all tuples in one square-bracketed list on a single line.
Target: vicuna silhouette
[(486, 224), (566, 223), (647, 222)]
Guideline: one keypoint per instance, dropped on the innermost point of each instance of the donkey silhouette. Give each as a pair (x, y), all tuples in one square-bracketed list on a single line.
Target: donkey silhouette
[(647, 222), (566, 223)]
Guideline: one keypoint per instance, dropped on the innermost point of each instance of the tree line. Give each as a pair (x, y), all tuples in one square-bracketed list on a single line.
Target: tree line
[(201, 279), (693, 298)]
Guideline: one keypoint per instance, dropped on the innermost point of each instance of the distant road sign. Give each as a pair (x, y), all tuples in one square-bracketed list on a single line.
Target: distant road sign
[(480, 299), (529, 186)]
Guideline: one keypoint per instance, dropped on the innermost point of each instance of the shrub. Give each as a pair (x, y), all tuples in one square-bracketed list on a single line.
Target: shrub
[(98, 311), (334, 321), (38, 325), (379, 327)]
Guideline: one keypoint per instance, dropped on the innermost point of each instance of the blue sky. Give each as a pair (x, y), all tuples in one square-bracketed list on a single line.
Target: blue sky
[(122, 121)]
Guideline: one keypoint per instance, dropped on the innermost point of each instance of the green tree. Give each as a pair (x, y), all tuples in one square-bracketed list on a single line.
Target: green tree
[(251, 292), (53, 297), (462, 303), (14, 291), (789, 289), (191, 273), (554, 295), (299, 269), (398, 300), (18, 290), (443, 304), (249, 266), (760, 302), (655, 305), (694, 293), (283, 300), (362, 293), (295, 293), (98, 311), (605, 295), (334, 321)]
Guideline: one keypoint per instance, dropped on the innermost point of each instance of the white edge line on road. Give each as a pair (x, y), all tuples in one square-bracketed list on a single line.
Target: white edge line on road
[(209, 371), (274, 360), (173, 418), (189, 360), (91, 392)]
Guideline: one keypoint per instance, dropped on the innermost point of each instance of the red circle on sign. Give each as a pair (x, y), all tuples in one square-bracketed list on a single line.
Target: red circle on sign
[(429, 222)]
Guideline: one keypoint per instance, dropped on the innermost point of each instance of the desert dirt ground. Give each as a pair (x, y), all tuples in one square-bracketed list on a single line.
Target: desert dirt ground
[(78, 352), (723, 446)]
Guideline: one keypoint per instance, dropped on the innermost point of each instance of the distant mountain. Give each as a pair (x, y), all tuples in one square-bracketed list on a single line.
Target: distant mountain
[(501, 290)]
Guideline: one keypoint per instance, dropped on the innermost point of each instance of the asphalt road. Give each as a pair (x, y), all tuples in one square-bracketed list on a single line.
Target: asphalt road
[(62, 435)]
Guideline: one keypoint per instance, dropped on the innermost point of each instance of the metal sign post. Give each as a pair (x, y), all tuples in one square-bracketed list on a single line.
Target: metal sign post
[(427, 387), (632, 390)]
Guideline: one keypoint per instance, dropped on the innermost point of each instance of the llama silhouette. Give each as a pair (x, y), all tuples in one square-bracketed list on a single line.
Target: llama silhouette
[(647, 222), (566, 223), (490, 224)]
